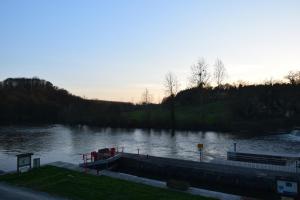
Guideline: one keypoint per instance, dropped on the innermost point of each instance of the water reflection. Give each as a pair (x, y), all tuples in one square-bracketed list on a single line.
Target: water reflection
[(66, 143)]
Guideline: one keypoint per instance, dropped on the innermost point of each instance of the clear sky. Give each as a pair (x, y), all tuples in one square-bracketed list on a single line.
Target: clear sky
[(114, 49)]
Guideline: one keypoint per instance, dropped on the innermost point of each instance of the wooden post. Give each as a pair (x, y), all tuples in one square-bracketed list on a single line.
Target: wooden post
[(200, 148), (200, 151)]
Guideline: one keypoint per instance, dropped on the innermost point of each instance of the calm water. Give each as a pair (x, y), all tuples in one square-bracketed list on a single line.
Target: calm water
[(65, 143)]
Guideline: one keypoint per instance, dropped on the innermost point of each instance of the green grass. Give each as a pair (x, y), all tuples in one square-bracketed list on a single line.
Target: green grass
[(209, 114), (215, 114), (75, 185)]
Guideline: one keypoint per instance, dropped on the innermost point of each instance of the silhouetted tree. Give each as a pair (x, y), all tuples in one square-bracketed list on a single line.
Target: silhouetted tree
[(293, 77), (146, 102), (171, 89), (200, 75), (146, 97), (171, 84), (241, 83), (219, 72)]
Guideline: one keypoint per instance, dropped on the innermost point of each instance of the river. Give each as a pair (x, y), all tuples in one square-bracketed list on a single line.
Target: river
[(67, 143)]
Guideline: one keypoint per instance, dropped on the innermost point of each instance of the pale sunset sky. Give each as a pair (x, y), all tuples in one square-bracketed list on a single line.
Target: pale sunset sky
[(114, 49)]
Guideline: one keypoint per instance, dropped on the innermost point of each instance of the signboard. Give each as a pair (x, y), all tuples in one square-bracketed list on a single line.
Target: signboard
[(23, 161), (288, 188), (200, 146)]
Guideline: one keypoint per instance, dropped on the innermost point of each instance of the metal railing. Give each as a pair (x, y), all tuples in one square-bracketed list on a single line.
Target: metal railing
[(293, 168)]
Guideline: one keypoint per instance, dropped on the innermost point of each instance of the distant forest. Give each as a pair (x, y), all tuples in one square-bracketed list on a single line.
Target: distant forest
[(228, 107)]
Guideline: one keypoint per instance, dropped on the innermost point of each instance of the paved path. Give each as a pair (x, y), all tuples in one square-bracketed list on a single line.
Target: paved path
[(8, 192), (151, 182)]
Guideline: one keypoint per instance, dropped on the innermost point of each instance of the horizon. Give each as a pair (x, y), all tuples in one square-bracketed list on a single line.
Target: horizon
[(234, 84), (115, 50)]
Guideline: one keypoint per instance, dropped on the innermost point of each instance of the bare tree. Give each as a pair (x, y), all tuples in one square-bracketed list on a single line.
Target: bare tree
[(269, 81), (241, 83), (272, 81), (200, 75), (171, 89), (293, 77), (146, 97), (220, 72), (171, 84)]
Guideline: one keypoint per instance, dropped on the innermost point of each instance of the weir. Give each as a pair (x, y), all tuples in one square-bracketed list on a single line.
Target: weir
[(241, 180)]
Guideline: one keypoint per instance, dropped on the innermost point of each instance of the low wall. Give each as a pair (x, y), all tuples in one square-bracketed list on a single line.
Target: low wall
[(260, 158)]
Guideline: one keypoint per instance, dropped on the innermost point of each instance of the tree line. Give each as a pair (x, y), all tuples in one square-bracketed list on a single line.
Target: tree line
[(256, 105), (268, 106)]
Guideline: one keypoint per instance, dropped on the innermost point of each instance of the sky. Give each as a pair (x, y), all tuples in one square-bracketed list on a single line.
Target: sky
[(114, 49)]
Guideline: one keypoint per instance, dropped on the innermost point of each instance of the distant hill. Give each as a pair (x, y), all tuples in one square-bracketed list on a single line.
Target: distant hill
[(24, 100), (230, 108)]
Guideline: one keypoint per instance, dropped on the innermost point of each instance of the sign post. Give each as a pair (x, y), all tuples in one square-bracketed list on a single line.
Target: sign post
[(200, 148), (24, 160)]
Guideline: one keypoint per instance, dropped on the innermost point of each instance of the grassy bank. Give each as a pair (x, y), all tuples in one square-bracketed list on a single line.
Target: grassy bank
[(213, 116), (75, 185)]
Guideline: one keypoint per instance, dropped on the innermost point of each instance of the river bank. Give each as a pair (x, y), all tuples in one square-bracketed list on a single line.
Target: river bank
[(76, 185)]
